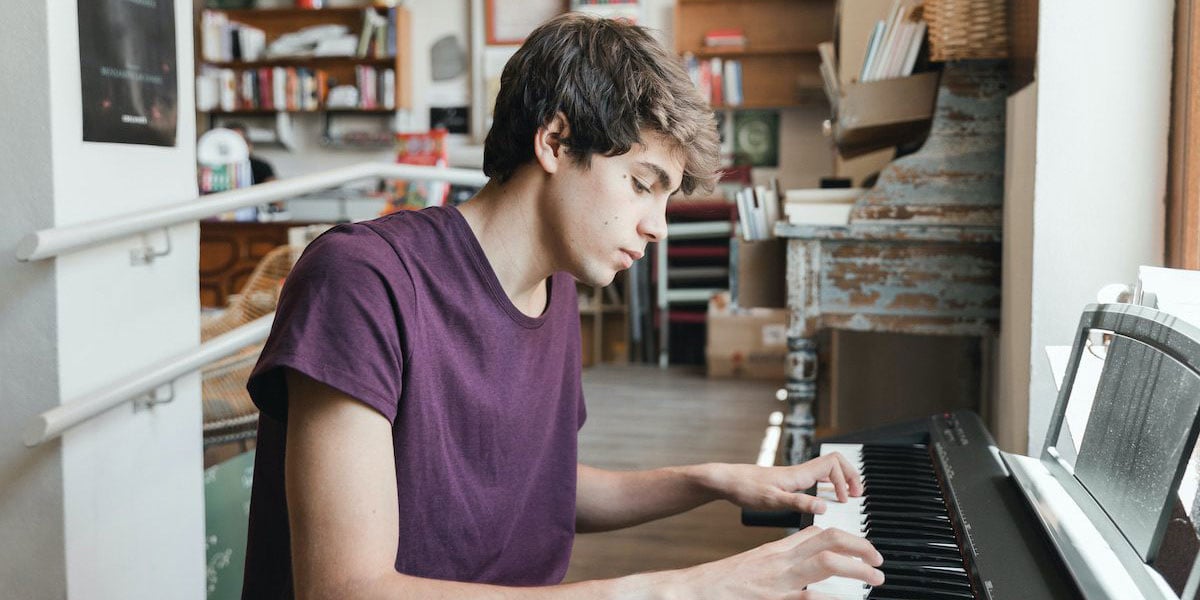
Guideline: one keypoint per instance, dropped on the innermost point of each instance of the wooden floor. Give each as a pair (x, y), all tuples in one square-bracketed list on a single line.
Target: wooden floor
[(643, 417)]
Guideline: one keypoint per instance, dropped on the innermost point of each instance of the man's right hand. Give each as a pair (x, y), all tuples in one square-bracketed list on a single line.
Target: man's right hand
[(781, 569)]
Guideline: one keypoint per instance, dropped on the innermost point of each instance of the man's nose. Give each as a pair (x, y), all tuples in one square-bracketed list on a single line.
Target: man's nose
[(654, 227)]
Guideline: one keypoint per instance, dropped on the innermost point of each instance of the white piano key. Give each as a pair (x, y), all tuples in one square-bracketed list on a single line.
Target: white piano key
[(847, 516)]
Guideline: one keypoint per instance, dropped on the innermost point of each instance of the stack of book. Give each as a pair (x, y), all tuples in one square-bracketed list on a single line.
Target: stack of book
[(629, 11), (227, 41), (718, 79), (758, 211), (376, 88), (894, 44), (820, 206), (725, 39)]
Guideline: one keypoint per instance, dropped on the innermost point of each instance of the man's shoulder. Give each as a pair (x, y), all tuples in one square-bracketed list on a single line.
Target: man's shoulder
[(407, 229)]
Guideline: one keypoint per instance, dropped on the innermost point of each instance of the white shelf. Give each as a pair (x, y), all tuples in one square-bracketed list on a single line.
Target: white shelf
[(683, 274), (699, 230), (692, 295)]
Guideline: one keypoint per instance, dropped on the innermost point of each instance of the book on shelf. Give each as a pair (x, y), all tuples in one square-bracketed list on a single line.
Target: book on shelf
[(758, 211), (725, 38), (624, 10), (895, 43), (828, 68), (716, 68), (372, 40), (872, 48), (718, 79), (289, 89)]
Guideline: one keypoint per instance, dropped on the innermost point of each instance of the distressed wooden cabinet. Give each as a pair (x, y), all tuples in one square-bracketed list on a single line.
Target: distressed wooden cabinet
[(921, 253)]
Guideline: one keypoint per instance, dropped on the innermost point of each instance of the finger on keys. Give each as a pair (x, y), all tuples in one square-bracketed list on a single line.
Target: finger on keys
[(836, 540), (807, 595), (837, 478), (833, 564), (853, 478), (807, 504)]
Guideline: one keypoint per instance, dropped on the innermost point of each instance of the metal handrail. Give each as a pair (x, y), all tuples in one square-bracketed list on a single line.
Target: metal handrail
[(57, 241), (55, 421)]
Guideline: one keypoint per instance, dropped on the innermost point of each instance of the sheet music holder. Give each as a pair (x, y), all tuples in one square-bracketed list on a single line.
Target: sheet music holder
[(1116, 486)]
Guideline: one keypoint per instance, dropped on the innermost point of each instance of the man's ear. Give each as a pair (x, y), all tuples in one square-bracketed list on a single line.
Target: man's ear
[(548, 148)]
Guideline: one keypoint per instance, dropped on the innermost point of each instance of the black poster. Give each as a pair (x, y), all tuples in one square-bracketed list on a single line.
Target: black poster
[(127, 71)]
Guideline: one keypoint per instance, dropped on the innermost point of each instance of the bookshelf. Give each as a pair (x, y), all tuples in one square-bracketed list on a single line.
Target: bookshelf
[(779, 60), (691, 266), (334, 70)]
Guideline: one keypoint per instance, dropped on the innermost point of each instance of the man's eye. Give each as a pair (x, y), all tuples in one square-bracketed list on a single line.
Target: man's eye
[(641, 189)]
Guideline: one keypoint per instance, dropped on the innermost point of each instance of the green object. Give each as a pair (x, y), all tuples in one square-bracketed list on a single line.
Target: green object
[(226, 516), (756, 138)]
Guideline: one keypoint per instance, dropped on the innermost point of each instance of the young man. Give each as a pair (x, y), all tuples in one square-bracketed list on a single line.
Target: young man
[(420, 390)]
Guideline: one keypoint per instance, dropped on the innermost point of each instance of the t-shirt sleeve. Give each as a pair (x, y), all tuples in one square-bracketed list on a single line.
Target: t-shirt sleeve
[(339, 322)]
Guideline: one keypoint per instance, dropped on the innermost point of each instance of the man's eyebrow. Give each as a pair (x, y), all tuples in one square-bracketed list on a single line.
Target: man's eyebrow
[(664, 180)]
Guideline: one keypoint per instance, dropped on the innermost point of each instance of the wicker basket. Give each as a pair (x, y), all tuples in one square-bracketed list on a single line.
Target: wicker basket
[(967, 29)]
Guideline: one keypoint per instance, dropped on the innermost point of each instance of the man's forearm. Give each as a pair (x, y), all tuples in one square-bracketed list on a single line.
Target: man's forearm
[(661, 585), (608, 500)]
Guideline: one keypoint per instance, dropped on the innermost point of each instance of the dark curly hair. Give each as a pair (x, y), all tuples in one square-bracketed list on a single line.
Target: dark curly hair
[(610, 79)]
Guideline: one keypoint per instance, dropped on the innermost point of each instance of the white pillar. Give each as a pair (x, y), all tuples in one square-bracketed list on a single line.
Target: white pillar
[(114, 509)]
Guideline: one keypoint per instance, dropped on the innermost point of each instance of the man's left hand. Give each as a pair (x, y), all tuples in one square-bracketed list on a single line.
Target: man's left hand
[(782, 488)]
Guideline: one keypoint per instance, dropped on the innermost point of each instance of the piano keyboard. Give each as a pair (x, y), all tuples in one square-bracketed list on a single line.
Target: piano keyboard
[(903, 513), (966, 533)]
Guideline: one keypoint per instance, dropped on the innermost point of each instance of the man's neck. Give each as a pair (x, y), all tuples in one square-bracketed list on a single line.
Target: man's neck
[(506, 221)]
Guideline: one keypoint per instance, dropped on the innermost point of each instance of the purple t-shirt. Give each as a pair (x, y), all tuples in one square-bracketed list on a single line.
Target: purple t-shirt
[(405, 314)]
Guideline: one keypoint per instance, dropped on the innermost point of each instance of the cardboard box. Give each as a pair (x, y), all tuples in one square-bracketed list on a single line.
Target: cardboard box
[(879, 114), (760, 279), (614, 346), (746, 343)]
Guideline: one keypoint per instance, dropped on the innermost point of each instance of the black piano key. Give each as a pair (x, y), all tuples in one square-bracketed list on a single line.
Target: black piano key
[(890, 554), (917, 518), (953, 570), (899, 471), (898, 533), (904, 525), (920, 570), (922, 487), (915, 461), (926, 549), (905, 480), (907, 448), (929, 583), (886, 487), (906, 592), (897, 462), (907, 499), (871, 505)]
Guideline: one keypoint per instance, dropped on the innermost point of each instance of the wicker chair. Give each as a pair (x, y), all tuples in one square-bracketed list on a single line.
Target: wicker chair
[(229, 415)]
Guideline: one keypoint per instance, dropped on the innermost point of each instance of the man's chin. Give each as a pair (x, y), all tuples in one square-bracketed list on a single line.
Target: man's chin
[(597, 278)]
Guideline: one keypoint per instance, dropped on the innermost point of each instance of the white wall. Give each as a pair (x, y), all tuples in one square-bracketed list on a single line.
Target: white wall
[(1103, 103), (118, 509), (31, 529)]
